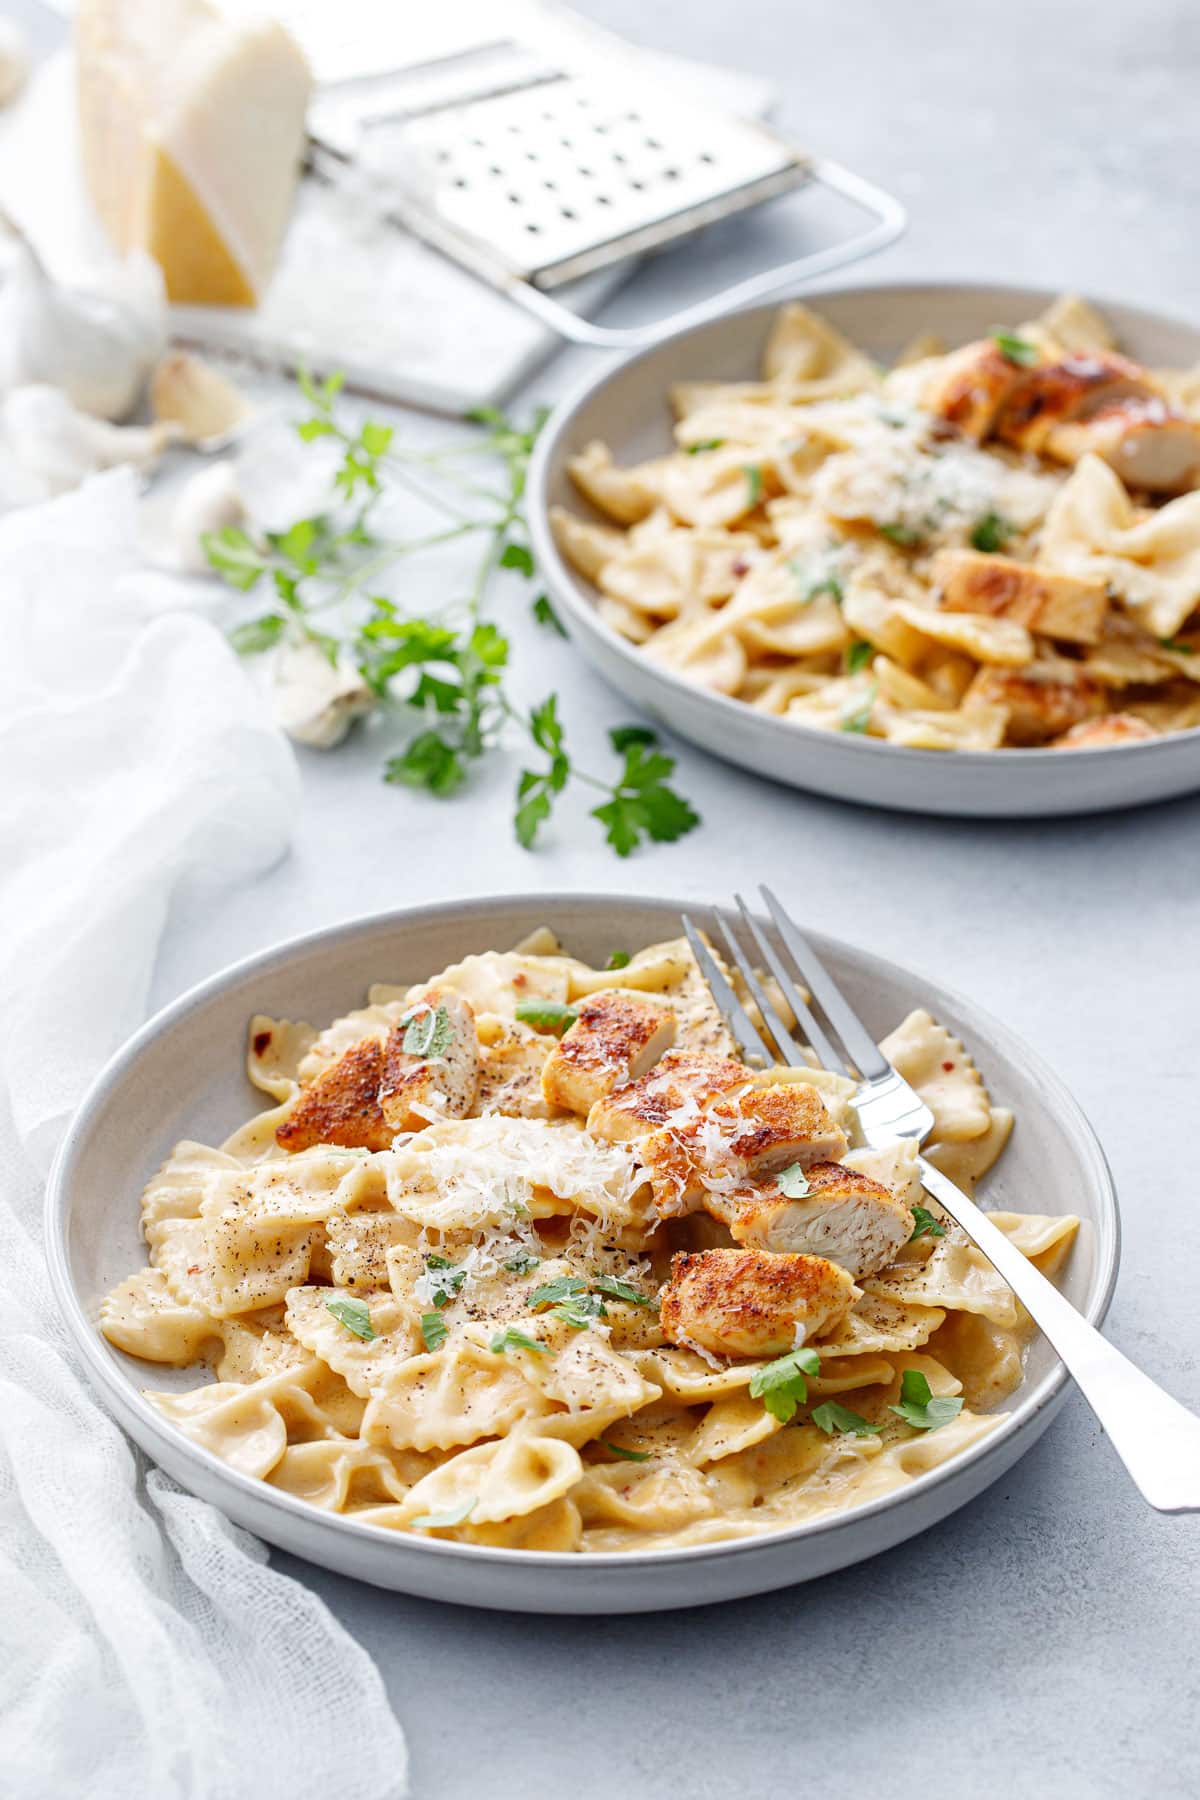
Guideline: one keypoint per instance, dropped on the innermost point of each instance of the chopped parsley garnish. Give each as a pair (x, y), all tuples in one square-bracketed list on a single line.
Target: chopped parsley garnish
[(815, 580), (620, 1290), (858, 655), (354, 1315), (522, 1262), (626, 1455), (512, 1339), (992, 532), (792, 1181), (831, 1416), (439, 1521), (547, 1015), (754, 484), (781, 1386), (857, 716), (1178, 645), (905, 535), (551, 1292), (919, 1408), (545, 615), (579, 1310), (705, 444), (1015, 349), (429, 1034), (925, 1224), (619, 959), (447, 1280), (434, 1330)]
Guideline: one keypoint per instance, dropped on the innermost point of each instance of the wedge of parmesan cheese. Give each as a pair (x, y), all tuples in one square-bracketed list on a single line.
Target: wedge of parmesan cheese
[(192, 127)]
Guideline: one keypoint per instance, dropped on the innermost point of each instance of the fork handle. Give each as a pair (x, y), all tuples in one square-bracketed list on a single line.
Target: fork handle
[(1156, 1438)]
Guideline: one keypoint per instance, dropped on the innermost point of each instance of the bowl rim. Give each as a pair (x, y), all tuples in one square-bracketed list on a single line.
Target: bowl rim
[(567, 585), (128, 1403)]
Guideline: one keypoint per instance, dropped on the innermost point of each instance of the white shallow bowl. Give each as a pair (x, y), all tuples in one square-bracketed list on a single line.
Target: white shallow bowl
[(183, 1076), (626, 407)]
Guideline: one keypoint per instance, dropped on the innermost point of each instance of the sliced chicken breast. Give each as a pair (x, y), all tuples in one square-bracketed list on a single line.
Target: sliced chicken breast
[(617, 1037), (1043, 700), (846, 1217), (1054, 393), (703, 1159), (748, 1303), (677, 1087), (1148, 444), (971, 386), (1059, 606), (341, 1106), (1098, 734), (438, 1076)]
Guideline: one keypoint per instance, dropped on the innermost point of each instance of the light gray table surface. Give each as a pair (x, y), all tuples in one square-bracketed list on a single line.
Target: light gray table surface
[(1043, 1641)]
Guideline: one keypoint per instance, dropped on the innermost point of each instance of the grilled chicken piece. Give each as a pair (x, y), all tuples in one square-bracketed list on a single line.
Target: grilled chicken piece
[(680, 1084), (1059, 606), (414, 1089), (1056, 393), (1098, 734), (617, 1037), (341, 1106), (1148, 444), (748, 1303), (971, 388), (1043, 700), (848, 1218), (704, 1159)]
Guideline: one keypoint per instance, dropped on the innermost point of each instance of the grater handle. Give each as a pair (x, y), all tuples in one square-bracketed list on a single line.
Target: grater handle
[(890, 221)]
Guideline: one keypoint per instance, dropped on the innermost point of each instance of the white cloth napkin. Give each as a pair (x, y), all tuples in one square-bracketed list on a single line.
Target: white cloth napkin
[(146, 1649)]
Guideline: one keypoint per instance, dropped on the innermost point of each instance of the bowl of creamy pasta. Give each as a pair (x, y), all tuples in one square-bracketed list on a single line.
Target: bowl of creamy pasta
[(457, 1250), (929, 547)]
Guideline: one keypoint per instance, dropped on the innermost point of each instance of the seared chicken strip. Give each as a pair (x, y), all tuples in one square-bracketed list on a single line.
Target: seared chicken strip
[(1052, 394), (699, 1160), (971, 387), (748, 1303), (845, 1217), (1147, 443), (1043, 700), (616, 1038), (432, 1081), (679, 1085), (1059, 606), (341, 1106), (1098, 734)]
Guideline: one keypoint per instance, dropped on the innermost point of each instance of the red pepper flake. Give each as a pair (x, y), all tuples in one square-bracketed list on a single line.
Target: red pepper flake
[(740, 566), (193, 1268), (947, 1067), (262, 1042), (520, 979)]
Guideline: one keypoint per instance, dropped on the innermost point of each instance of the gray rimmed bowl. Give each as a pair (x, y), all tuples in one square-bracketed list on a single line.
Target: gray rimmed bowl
[(183, 1075), (626, 406)]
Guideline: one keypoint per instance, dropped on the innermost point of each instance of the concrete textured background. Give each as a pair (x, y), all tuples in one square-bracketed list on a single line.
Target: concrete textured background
[(1043, 1640)]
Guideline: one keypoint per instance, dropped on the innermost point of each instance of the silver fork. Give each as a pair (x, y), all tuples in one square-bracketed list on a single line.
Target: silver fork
[(1156, 1438)]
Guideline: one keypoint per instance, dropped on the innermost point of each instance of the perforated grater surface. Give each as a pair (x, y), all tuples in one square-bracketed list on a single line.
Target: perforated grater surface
[(532, 176)]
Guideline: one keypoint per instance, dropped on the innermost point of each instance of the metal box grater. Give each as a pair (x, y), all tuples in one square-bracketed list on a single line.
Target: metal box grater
[(531, 176)]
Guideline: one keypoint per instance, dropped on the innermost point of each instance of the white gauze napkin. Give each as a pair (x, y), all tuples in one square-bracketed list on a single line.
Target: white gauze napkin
[(145, 1646)]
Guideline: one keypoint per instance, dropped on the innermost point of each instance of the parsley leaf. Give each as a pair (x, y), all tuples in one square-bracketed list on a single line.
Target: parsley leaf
[(754, 485), (440, 1521), (561, 1288), (546, 1015), (814, 580), (537, 791), (430, 761), (1178, 645), (857, 715), (1015, 349), (905, 535), (919, 1408), (642, 805), (781, 1386), (831, 1416), (429, 1033), (354, 1315), (517, 556), (545, 615), (793, 1182), (705, 444), (925, 1224), (522, 1262), (624, 1454), (858, 655), (512, 1339), (579, 1310), (620, 1290), (992, 532), (618, 959), (256, 635), (235, 557), (434, 1330)]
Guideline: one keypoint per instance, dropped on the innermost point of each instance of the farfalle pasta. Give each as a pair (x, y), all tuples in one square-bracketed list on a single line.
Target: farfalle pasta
[(610, 1287), (992, 547)]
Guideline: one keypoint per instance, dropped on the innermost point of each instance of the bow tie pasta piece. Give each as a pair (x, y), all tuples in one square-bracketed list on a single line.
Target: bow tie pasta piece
[(142, 1317), (880, 1323), (1046, 1240), (256, 1345), (362, 1363), (967, 1163), (520, 1475), (942, 1072), (343, 1475), (250, 1426), (275, 1052), (448, 1397), (358, 1245), (643, 1497), (177, 1189), (730, 1425), (586, 1376), (956, 1277), (626, 495)]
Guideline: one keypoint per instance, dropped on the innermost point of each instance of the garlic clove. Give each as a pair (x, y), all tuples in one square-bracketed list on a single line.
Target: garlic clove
[(314, 702), (14, 60), (97, 344), (210, 500), (51, 439), (193, 395)]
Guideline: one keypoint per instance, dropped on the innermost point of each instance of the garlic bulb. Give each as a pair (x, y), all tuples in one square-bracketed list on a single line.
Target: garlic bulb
[(97, 345), (14, 60), (47, 437), (316, 703), (197, 398), (209, 501)]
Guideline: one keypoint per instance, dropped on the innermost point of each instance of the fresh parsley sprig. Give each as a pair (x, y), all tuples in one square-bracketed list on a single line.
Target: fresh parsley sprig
[(920, 1407), (445, 671), (781, 1385)]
